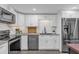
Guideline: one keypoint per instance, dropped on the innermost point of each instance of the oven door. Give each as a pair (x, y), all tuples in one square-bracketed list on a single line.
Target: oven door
[(14, 45)]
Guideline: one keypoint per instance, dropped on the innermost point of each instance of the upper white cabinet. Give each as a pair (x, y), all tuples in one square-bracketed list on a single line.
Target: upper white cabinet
[(54, 20), (48, 17), (20, 20), (31, 20)]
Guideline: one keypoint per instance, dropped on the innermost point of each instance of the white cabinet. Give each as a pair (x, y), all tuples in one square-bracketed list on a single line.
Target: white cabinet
[(4, 48), (43, 42), (31, 20), (57, 41), (48, 42), (20, 19), (24, 42), (52, 18)]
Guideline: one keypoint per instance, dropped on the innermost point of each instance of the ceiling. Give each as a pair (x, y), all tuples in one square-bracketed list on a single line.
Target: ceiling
[(43, 8)]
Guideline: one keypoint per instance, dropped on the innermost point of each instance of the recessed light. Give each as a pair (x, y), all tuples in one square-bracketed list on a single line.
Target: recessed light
[(34, 9)]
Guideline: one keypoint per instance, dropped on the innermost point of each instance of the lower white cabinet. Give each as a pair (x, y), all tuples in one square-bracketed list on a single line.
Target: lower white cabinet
[(4, 48), (24, 42), (49, 42)]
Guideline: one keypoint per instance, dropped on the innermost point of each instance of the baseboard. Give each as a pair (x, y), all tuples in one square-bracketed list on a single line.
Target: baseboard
[(24, 50), (48, 49), (41, 50)]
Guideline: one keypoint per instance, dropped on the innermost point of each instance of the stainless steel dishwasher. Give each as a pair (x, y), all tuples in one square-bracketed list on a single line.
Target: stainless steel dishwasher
[(32, 42)]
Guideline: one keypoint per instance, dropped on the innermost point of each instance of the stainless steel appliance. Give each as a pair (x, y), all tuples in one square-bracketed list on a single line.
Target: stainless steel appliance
[(14, 43), (13, 40), (4, 35), (6, 16), (32, 42)]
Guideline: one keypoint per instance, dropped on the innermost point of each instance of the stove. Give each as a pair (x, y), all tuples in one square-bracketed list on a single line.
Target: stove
[(13, 40)]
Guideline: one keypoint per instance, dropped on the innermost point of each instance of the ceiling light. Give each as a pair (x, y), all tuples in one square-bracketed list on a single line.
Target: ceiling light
[(34, 9)]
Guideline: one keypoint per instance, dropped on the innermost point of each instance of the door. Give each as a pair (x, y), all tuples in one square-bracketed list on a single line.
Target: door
[(32, 42)]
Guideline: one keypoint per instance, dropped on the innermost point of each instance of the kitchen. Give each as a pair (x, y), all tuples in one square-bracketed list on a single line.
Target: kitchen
[(33, 29)]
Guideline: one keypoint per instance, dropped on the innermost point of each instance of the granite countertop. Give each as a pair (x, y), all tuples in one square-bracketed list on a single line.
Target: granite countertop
[(48, 34), (74, 47), (10, 37), (30, 34), (39, 34), (13, 36)]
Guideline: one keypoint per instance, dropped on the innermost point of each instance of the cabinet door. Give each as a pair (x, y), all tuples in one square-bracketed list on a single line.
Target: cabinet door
[(43, 42), (24, 43), (49, 17), (31, 20), (4, 49), (54, 20), (57, 42), (51, 43), (20, 20)]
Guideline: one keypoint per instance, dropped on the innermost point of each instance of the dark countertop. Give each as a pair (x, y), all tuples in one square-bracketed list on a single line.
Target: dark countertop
[(48, 34), (39, 34), (14, 36), (10, 37)]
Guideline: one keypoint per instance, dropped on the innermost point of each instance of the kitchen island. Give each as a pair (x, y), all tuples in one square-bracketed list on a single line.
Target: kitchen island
[(73, 48)]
